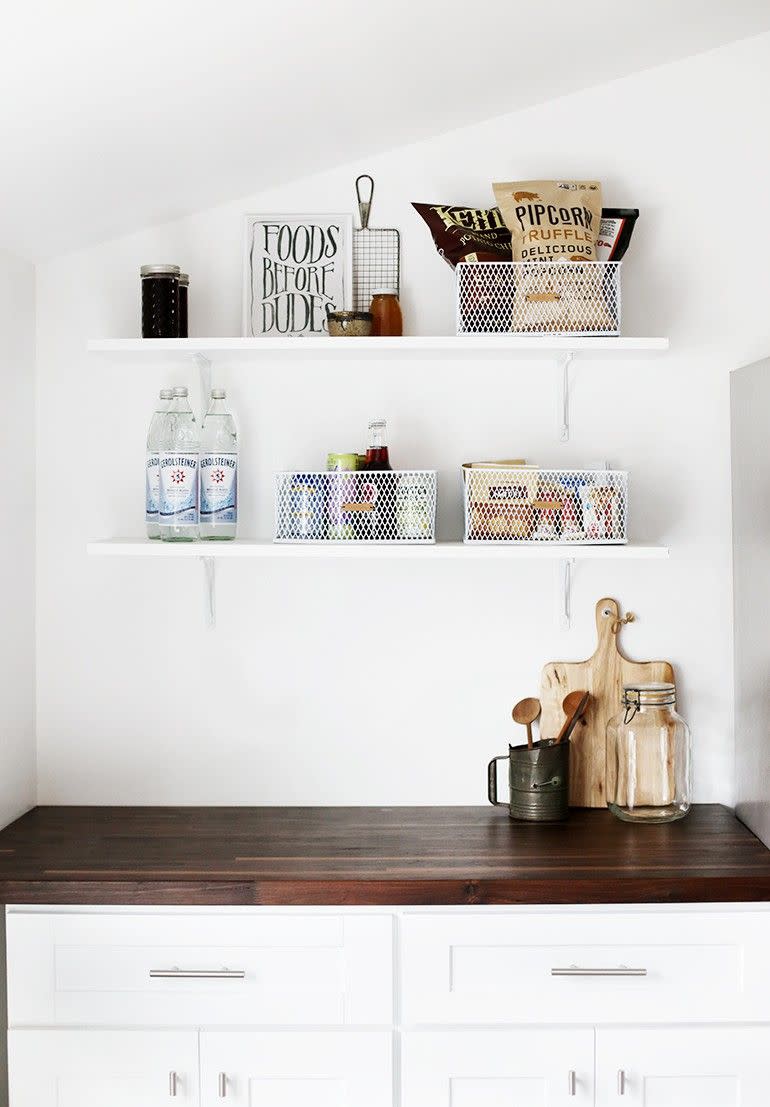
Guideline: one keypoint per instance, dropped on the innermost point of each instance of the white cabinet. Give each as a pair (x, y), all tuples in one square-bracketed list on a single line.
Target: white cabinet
[(498, 1068), (294, 1069), (453, 1007), (704, 1067), (93, 1068)]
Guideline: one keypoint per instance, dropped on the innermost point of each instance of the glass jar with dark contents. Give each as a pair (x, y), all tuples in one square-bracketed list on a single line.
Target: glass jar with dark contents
[(184, 284), (160, 301)]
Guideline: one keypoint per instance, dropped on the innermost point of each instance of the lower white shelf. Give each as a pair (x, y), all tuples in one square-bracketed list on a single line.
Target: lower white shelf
[(246, 547)]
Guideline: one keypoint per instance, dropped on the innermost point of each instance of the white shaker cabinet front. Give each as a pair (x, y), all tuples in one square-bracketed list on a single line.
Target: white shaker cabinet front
[(561, 1007), (676, 1067), (498, 1068), (103, 1068), (296, 1069)]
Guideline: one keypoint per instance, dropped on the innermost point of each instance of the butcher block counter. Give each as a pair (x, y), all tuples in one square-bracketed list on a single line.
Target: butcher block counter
[(373, 856)]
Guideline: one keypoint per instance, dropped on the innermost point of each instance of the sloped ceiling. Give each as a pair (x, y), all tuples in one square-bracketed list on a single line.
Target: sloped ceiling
[(118, 115)]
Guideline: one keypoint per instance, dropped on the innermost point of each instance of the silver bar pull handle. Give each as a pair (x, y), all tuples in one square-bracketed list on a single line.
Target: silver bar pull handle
[(222, 1085), (621, 1082), (172, 1083), (571, 1082), (577, 970), (198, 974)]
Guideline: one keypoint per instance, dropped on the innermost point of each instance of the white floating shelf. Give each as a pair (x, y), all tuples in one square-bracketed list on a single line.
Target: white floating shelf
[(170, 350), (142, 547)]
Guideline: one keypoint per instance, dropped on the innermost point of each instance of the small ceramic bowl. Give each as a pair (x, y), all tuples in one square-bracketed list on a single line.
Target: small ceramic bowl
[(349, 324)]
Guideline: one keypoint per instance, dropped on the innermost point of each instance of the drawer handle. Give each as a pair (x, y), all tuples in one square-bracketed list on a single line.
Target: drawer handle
[(575, 970), (198, 974), (173, 1080), (571, 1083), (222, 1082), (621, 1082)]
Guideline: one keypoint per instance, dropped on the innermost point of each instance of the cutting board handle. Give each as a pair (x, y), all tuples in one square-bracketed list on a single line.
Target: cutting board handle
[(607, 614)]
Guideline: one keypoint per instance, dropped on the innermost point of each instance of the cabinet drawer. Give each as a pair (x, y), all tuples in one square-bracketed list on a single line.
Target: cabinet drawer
[(578, 967), (197, 969)]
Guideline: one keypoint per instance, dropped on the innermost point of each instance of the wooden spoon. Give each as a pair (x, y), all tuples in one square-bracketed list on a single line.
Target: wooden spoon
[(526, 712), (574, 705)]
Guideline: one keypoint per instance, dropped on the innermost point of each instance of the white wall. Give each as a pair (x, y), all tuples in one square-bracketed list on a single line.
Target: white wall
[(17, 550), (388, 683)]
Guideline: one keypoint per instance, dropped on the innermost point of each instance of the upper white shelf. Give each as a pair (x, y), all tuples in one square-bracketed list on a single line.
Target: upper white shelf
[(243, 547), (499, 345)]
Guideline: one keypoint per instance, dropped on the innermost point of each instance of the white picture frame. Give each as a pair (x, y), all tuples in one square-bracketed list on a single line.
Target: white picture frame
[(293, 266)]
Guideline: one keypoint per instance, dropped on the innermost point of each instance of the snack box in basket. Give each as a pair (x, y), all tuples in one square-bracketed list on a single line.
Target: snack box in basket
[(501, 502)]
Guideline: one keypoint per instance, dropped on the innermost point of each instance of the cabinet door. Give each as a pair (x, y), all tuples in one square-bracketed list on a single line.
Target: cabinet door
[(498, 1068), (707, 1067), (93, 1068), (296, 1068)]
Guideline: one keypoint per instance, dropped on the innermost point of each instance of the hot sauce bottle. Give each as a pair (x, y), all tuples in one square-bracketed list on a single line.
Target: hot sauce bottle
[(378, 523)]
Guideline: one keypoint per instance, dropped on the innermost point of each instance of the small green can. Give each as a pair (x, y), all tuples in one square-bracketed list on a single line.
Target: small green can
[(342, 491)]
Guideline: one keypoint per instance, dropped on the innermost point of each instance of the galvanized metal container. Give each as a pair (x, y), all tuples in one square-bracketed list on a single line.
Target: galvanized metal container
[(538, 779)]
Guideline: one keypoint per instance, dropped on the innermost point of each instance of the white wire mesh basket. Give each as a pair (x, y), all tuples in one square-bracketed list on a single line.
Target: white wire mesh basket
[(364, 507), (538, 297), (586, 507)]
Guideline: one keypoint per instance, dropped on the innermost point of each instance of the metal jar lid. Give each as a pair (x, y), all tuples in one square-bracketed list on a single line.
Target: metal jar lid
[(159, 271), (649, 695), (636, 696), (385, 292)]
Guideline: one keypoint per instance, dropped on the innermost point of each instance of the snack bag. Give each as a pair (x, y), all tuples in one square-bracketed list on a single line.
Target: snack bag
[(551, 220), (556, 222), (467, 234)]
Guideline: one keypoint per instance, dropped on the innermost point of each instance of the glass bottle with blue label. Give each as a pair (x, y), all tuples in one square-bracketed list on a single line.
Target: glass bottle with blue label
[(152, 465), (178, 519), (218, 471)]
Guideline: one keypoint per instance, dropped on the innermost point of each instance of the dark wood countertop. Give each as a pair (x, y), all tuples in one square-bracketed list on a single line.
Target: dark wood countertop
[(373, 855)]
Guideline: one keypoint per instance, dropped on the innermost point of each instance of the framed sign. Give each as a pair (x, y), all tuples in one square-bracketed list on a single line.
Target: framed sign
[(294, 266)]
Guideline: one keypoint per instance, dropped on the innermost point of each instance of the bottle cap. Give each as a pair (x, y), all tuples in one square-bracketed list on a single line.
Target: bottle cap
[(385, 292), (180, 391), (166, 393), (218, 394), (376, 423), (159, 271)]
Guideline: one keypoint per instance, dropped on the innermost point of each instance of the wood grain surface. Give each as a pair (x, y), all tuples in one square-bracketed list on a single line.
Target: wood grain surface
[(373, 855), (603, 676)]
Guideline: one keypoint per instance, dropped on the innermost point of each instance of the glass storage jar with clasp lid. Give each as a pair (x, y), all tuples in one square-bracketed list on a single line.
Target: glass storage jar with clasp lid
[(648, 757)]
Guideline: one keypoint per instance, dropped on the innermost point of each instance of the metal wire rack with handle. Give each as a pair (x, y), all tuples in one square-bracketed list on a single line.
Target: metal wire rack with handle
[(376, 251)]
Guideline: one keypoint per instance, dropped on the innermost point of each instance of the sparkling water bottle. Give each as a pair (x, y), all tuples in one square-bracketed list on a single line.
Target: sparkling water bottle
[(152, 465), (218, 470), (178, 520)]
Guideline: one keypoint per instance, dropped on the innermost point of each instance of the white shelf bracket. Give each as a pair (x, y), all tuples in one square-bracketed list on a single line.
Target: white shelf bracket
[(210, 582), (203, 365), (564, 365), (565, 570)]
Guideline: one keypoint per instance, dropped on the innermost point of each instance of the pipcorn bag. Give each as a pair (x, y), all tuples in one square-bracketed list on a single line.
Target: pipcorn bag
[(551, 220), (557, 222)]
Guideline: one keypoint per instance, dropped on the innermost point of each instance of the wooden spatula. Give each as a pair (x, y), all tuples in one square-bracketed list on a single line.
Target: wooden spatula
[(574, 706)]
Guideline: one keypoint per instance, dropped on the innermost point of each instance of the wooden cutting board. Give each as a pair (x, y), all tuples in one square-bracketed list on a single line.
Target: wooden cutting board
[(603, 675)]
